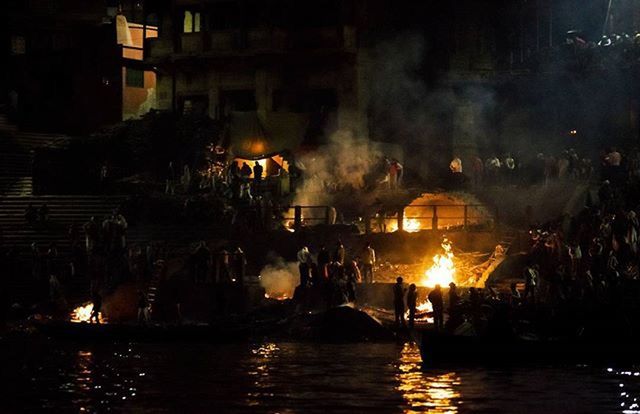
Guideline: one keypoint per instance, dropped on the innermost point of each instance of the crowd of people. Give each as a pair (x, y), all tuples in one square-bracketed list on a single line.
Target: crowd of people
[(332, 276), (541, 168)]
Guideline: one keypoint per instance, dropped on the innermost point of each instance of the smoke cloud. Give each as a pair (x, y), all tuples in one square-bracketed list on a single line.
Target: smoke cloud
[(279, 278)]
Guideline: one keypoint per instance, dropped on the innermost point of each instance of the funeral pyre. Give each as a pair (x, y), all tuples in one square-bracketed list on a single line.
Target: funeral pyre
[(447, 264), (83, 314)]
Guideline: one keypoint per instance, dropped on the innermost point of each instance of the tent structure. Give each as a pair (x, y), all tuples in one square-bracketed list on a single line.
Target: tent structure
[(253, 137), (267, 139)]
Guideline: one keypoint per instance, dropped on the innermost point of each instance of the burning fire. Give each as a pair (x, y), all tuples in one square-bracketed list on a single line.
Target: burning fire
[(276, 296), (83, 314), (422, 311), (443, 271), (424, 307), (290, 226), (408, 224)]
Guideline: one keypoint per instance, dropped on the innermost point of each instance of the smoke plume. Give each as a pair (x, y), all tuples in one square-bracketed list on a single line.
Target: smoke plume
[(280, 278)]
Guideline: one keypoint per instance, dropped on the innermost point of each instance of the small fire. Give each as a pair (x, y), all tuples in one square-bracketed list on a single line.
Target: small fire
[(290, 226), (408, 224), (422, 311), (83, 314), (424, 307), (276, 296), (443, 271)]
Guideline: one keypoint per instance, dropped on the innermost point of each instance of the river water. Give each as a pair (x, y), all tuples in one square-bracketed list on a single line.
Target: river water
[(296, 378)]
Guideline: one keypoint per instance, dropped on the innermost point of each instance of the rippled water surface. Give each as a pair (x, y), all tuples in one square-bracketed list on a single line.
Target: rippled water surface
[(296, 378)]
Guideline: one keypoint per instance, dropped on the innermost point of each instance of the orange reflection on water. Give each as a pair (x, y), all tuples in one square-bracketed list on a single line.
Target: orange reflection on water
[(260, 370), (424, 391)]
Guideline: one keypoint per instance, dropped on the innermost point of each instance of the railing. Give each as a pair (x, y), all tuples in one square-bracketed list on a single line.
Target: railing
[(405, 218), (308, 214), (438, 217)]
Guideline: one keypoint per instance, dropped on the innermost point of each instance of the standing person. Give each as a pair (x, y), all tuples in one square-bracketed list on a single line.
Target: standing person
[(104, 176), (201, 263), (51, 257), (368, 263), (323, 262), (239, 265), (31, 214), (91, 234), (143, 308), (245, 171), (186, 178), (435, 297), (120, 229), (392, 173), (514, 296), (455, 167), (493, 168), (170, 187), (398, 301), (353, 278), (257, 176), (55, 290), (510, 169), (74, 236), (455, 313), (43, 214), (97, 308), (412, 299), (304, 259), (399, 172), (340, 253), (478, 171), (530, 282)]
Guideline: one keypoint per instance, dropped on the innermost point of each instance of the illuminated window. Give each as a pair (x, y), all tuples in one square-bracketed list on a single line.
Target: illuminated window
[(191, 22), (134, 78)]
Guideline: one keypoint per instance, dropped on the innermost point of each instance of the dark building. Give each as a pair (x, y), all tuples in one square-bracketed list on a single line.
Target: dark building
[(67, 59)]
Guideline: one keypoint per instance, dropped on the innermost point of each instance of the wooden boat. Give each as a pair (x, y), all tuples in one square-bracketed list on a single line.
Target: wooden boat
[(437, 347), (90, 332)]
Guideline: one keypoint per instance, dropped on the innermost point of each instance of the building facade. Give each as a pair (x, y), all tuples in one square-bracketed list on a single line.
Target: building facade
[(76, 65), (289, 62)]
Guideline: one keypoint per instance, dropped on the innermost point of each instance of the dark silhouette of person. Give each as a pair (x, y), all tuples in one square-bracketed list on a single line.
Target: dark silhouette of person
[(435, 297), (412, 298), (531, 275), (201, 263), (455, 313), (97, 307), (245, 170), (43, 213), (31, 214), (257, 175), (323, 261), (398, 301), (340, 253)]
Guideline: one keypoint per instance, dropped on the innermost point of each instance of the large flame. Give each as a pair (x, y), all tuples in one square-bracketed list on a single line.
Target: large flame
[(443, 271), (83, 314)]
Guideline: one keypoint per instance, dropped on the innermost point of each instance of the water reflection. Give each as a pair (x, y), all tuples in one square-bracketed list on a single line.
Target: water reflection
[(426, 391), (260, 370)]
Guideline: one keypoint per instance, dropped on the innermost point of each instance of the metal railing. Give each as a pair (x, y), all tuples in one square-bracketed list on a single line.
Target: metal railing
[(429, 217)]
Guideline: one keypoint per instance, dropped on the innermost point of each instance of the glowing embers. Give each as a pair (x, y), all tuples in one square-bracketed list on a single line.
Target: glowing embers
[(276, 296), (83, 314), (442, 271)]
